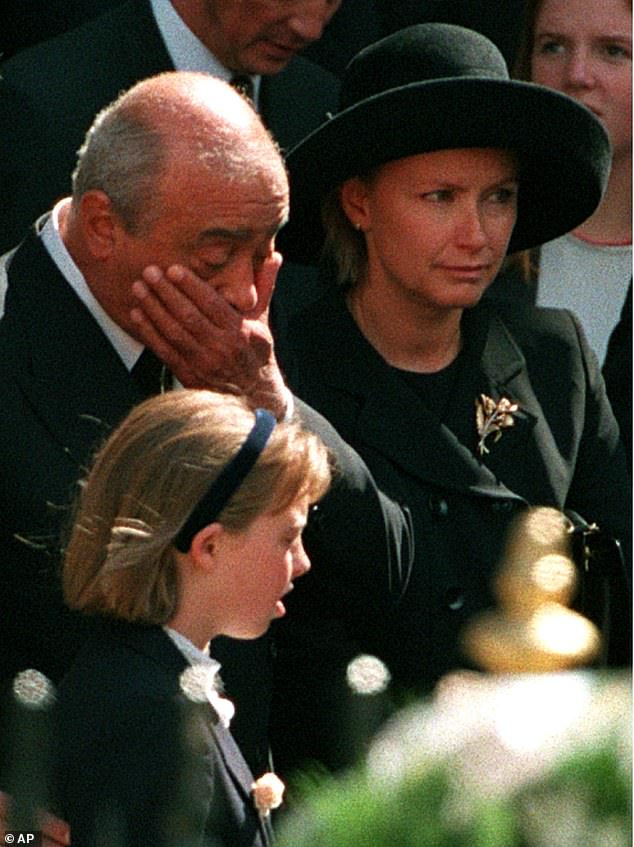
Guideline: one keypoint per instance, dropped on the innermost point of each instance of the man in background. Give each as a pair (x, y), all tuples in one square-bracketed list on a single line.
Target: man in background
[(50, 92)]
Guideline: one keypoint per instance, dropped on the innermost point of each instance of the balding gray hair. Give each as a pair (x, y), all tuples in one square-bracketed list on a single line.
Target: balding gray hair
[(180, 117)]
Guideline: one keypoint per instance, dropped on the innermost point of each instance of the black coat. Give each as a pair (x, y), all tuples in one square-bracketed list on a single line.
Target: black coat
[(514, 283), (51, 92), (563, 451), (62, 390), (136, 761), (617, 372)]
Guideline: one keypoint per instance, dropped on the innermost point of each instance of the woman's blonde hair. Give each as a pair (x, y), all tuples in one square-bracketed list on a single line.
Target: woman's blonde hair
[(146, 480), (344, 246)]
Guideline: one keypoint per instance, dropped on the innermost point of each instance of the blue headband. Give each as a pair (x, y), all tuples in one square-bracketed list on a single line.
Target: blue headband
[(228, 481)]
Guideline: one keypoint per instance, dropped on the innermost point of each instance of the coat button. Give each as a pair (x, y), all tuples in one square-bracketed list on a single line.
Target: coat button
[(454, 598), (438, 506)]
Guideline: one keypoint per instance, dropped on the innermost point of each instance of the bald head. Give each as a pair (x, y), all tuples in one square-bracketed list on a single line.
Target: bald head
[(169, 123)]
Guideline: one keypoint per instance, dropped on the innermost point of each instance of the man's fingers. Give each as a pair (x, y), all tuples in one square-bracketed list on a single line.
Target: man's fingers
[(168, 321), (210, 345), (180, 287), (209, 359), (153, 338), (168, 308), (54, 831), (265, 283)]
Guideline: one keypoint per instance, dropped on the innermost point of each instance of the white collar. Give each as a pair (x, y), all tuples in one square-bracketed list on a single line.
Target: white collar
[(128, 348), (207, 672), (186, 50)]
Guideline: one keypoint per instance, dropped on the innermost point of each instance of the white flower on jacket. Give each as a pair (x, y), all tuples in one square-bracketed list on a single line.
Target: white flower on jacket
[(268, 793)]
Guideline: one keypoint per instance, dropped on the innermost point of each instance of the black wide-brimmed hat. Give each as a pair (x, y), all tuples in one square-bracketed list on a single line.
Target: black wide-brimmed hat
[(437, 87)]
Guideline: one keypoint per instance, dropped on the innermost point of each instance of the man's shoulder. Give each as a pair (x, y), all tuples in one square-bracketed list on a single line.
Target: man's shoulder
[(298, 99), (100, 44), (28, 260), (301, 67), (306, 80)]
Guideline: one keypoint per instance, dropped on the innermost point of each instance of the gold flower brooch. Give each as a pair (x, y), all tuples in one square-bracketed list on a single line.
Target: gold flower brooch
[(493, 416)]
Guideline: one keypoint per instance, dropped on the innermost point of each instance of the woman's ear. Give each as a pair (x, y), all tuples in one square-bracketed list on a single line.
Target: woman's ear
[(204, 546), (353, 196)]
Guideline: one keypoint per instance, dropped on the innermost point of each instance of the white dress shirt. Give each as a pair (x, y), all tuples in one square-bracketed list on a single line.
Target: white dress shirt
[(207, 673), (128, 348), (186, 51)]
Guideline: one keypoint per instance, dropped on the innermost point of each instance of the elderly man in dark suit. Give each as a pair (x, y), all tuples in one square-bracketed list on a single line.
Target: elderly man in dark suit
[(180, 176), (51, 92)]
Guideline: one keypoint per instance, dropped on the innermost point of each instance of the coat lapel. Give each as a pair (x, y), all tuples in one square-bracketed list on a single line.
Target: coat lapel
[(67, 368), (526, 455), (394, 421), (239, 771), (493, 366), (153, 643)]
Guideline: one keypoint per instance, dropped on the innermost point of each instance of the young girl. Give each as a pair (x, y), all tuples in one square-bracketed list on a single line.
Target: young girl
[(188, 527), (583, 48)]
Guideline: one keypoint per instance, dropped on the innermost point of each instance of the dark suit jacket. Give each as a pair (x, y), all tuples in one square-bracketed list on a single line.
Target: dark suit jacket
[(22, 25), (563, 452), (62, 389), (617, 372), (50, 94), (136, 760), (516, 284)]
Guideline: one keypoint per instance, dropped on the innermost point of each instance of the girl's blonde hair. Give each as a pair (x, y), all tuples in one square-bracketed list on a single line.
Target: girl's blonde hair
[(146, 480)]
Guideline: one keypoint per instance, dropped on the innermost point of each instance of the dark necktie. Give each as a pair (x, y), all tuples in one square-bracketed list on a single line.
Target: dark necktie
[(150, 374), (244, 84)]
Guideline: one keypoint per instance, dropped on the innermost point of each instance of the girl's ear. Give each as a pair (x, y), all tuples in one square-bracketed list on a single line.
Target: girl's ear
[(353, 197), (204, 545)]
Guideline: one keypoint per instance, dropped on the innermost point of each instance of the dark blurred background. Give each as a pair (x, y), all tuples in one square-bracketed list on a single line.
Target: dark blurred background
[(357, 23)]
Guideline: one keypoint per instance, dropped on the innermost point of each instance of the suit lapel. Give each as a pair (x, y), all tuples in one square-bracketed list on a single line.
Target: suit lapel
[(68, 370), (158, 647), (138, 50), (526, 454), (392, 418), (239, 771)]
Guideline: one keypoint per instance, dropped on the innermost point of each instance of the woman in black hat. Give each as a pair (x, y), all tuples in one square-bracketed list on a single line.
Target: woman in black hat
[(436, 166)]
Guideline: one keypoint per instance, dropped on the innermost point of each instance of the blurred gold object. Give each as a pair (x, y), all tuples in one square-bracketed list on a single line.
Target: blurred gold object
[(533, 630)]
